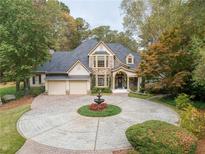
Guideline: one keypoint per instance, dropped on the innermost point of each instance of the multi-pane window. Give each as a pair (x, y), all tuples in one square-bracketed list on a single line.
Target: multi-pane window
[(130, 60), (39, 79), (33, 80), (101, 61), (101, 80), (94, 61), (106, 61)]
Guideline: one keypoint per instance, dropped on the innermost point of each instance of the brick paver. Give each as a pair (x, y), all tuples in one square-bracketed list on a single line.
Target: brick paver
[(54, 122)]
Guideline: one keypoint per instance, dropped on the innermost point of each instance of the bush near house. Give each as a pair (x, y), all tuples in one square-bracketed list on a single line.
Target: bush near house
[(103, 90), (193, 120), (183, 101), (160, 137), (34, 91)]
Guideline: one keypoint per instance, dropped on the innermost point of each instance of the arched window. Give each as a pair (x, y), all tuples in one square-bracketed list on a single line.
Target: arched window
[(130, 59)]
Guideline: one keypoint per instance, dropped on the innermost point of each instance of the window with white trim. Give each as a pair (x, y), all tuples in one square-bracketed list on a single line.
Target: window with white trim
[(33, 80), (101, 61), (101, 80), (130, 59)]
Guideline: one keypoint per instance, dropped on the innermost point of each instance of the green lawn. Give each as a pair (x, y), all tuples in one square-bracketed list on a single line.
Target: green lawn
[(138, 95), (109, 111), (166, 100), (10, 140), (171, 102), (7, 90), (34, 91)]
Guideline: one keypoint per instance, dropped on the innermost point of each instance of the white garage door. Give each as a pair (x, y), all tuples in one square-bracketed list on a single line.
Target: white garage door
[(56, 87), (78, 87)]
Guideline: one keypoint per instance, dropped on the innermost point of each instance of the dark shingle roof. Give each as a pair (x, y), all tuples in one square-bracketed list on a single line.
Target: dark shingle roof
[(121, 52), (62, 61)]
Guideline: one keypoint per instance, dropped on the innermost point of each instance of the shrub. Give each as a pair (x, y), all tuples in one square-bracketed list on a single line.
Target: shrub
[(97, 107), (160, 137), (110, 110), (193, 121), (183, 101), (35, 91), (103, 90)]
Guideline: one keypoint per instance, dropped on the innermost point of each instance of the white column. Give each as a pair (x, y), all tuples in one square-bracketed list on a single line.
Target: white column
[(128, 80), (46, 86), (113, 81), (139, 80)]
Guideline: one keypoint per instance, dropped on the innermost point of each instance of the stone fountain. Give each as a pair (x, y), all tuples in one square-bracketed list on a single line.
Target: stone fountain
[(99, 100)]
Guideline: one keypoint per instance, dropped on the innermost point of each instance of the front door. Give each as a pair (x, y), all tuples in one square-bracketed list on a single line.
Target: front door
[(119, 82)]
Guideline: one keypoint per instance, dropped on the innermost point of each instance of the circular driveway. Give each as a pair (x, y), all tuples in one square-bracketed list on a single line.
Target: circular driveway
[(53, 121)]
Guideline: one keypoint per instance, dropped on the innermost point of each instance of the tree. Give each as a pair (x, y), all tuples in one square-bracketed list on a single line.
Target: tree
[(26, 32), (104, 33), (199, 72), (166, 63), (149, 19), (80, 33)]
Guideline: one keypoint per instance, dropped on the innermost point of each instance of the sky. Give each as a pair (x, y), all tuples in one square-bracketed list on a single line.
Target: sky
[(97, 12)]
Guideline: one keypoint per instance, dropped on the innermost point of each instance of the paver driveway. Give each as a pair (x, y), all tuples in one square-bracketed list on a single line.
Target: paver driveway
[(53, 121)]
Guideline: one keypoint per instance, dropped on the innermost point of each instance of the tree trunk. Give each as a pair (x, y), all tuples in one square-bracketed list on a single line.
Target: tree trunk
[(29, 86), (17, 86), (26, 89)]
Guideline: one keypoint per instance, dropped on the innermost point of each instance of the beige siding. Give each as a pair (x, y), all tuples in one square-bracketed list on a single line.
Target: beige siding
[(37, 84), (78, 69)]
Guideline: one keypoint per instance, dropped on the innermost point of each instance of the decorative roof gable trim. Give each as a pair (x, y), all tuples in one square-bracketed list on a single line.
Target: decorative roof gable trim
[(121, 67), (78, 61), (101, 42)]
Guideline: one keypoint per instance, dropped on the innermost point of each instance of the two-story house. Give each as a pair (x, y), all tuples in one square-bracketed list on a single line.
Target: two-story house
[(91, 64)]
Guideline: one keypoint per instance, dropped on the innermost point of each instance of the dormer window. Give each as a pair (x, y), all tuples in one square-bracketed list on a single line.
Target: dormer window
[(130, 59)]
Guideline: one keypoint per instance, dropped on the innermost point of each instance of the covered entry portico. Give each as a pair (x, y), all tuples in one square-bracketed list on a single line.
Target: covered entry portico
[(124, 79)]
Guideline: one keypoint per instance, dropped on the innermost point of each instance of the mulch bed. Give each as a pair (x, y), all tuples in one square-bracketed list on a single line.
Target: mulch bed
[(201, 147), (16, 103)]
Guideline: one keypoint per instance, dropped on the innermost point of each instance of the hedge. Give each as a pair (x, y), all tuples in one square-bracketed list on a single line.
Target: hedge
[(160, 137), (103, 90)]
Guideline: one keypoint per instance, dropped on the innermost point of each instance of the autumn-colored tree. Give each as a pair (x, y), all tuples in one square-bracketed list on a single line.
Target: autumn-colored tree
[(167, 64)]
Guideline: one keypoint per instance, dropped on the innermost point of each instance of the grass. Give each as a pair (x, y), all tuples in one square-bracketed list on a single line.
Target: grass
[(7, 84), (10, 140), (7, 90), (171, 102), (166, 100), (109, 111), (34, 91), (138, 95)]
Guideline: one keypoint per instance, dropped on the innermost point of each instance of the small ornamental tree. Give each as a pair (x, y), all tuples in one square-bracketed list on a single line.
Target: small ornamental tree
[(183, 101), (166, 63)]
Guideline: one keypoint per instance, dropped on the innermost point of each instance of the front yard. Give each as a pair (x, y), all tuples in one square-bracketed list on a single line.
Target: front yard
[(195, 125), (10, 140), (165, 100)]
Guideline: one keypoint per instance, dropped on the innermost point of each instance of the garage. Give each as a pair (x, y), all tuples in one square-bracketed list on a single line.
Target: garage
[(56, 87), (78, 87)]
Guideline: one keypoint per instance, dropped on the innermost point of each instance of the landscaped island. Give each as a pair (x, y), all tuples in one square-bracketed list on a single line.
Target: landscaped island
[(99, 108)]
